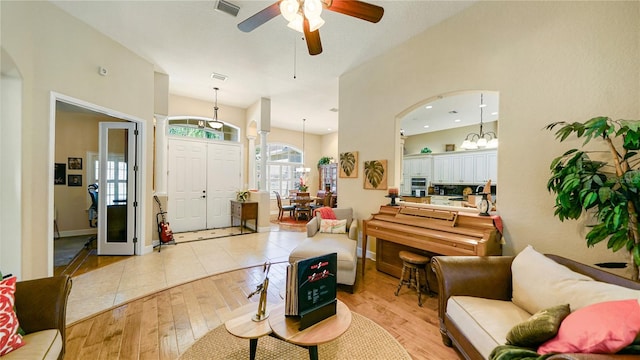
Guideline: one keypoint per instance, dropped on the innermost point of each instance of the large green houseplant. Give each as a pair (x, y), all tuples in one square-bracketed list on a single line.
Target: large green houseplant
[(609, 191)]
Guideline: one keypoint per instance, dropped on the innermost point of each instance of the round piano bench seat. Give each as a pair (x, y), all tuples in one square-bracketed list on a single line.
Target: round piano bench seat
[(414, 263)]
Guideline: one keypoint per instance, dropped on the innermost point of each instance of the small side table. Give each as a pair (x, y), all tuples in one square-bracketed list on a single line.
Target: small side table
[(326, 330), (243, 211), (244, 327)]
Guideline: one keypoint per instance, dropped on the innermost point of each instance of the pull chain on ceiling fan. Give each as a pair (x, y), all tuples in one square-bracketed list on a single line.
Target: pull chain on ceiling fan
[(304, 16)]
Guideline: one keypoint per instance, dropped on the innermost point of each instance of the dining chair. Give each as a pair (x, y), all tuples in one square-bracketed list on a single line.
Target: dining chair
[(283, 208)]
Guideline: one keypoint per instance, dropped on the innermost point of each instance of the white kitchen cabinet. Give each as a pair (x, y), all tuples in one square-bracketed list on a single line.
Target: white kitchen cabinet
[(442, 169), (481, 170), (486, 167), (406, 177), (492, 166), (417, 166), (466, 168), (467, 171)]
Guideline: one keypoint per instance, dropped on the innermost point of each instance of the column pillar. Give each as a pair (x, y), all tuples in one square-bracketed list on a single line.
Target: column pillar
[(161, 159), (263, 160), (252, 162)]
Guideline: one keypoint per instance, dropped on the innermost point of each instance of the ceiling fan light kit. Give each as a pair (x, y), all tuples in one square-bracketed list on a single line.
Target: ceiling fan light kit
[(304, 16)]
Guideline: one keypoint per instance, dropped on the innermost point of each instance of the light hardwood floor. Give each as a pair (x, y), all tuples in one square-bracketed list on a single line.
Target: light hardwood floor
[(165, 324)]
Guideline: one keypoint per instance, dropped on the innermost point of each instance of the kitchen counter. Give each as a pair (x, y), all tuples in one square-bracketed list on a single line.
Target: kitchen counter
[(456, 206), (448, 200), (417, 199)]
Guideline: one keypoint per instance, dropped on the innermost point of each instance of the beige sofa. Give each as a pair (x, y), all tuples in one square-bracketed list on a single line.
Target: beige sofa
[(482, 298), (318, 243), (41, 306)]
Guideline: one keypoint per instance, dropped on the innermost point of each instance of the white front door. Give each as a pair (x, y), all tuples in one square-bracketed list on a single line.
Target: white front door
[(223, 180), (187, 185), (203, 178), (117, 179)]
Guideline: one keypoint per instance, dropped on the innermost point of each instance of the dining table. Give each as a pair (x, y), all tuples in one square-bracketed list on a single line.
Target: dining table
[(302, 204)]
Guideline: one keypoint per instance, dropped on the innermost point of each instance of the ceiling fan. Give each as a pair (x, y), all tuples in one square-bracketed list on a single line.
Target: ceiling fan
[(304, 16)]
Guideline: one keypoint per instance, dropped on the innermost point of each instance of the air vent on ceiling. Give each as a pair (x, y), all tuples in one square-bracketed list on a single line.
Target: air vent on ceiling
[(227, 7), (220, 77)]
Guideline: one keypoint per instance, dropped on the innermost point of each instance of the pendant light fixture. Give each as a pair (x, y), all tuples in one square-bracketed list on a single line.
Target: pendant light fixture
[(482, 139), (215, 123)]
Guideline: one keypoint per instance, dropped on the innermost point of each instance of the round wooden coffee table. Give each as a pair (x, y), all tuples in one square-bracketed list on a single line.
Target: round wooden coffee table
[(326, 330), (244, 327)]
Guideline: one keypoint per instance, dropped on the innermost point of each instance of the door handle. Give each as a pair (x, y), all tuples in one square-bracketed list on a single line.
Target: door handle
[(204, 196)]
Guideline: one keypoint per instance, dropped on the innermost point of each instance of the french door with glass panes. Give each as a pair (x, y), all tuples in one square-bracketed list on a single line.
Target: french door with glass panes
[(117, 183)]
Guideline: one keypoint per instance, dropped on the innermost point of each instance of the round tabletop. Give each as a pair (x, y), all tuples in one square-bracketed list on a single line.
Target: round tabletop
[(326, 330), (244, 327)]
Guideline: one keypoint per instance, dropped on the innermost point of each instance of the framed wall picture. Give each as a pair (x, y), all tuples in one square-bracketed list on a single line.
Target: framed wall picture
[(375, 175), (60, 174), (75, 180), (75, 163), (349, 165)]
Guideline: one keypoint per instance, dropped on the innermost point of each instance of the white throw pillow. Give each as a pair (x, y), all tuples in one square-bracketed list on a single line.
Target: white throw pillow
[(333, 226), (540, 283)]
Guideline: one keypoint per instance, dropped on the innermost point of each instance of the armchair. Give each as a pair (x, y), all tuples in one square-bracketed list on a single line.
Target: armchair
[(41, 306), (345, 244)]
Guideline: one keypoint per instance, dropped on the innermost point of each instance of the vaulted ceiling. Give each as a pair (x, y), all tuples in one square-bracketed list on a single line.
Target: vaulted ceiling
[(190, 40)]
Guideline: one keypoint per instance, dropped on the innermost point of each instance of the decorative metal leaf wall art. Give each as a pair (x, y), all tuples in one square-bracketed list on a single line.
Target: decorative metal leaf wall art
[(349, 164), (375, 174)]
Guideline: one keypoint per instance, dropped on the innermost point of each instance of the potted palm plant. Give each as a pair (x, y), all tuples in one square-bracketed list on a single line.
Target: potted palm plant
[(608, 191)]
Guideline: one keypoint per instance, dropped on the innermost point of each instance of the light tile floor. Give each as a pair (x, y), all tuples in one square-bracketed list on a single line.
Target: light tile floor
[(137, 276)]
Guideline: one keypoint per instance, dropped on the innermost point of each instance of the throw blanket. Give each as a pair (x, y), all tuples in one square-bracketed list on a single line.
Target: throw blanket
[(326, 213), (511, 352)]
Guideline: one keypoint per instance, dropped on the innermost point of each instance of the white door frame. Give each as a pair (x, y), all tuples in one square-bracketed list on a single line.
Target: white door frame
[(140, 248)]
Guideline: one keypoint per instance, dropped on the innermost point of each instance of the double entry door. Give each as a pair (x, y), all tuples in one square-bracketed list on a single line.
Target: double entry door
[(203, 178)]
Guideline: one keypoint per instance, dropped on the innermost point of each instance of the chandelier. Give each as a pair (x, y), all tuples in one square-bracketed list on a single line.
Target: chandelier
[(295, 11), (482, 139), (215, 123)]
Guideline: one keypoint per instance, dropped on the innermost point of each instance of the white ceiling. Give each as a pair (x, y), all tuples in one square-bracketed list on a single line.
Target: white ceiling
[(453, 111), (189, 40)]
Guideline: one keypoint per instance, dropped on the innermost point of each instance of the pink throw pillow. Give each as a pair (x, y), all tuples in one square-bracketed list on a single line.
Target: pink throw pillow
[(602, 328), (9, 337)]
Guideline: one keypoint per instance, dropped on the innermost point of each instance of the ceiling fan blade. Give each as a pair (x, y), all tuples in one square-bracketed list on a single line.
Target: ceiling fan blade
[(313, 39), (359, 9), (259, 18)]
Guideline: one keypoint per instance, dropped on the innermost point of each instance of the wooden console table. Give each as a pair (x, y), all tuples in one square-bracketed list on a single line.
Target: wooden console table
[(243, 211)]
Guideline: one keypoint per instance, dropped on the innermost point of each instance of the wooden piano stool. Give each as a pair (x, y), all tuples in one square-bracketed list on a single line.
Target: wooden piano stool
[(414, 263)]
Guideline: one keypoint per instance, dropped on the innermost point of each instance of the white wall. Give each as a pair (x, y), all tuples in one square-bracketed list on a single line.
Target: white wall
[(55, 52), (550, 61), (11, 169)]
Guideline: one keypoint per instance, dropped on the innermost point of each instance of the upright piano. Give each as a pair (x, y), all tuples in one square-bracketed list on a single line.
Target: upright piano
[(428, 231)]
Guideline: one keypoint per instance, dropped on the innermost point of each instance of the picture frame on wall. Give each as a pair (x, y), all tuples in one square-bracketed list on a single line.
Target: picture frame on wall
[(75, 180), (348, 165), (75, 163), (60, 174), (375, 175)]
